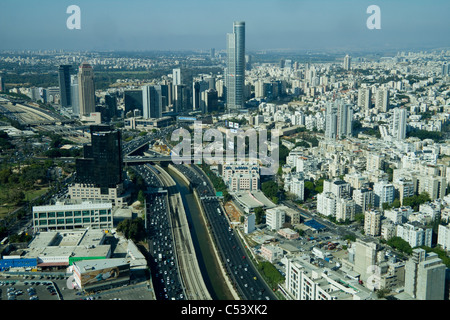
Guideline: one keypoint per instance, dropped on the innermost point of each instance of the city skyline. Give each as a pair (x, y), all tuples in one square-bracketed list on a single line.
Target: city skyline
[(294, 25)]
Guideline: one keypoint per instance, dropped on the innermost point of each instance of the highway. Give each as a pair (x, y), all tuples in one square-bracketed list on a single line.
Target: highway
[(240, 270), (194, 285), (165, 275)]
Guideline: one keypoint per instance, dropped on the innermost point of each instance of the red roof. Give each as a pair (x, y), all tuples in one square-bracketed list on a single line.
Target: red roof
[(53, 264)]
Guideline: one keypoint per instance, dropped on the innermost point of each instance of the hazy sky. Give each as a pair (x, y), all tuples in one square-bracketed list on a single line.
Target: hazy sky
[(203, 24)]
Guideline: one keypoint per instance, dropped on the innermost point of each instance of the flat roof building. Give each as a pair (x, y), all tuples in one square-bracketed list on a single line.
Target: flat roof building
[(101, 274), (62, 216)]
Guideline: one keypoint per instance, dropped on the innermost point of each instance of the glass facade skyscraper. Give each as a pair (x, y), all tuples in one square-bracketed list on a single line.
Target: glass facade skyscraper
[(235, 72), (152, 102), (64, 72), (101, 164)]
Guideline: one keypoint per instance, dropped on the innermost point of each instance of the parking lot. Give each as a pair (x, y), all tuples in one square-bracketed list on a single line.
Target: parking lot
[(38, 287), (28, 290)]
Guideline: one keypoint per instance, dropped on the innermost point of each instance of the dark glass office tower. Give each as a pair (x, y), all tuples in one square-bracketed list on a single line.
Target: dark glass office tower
[(133, 100), (64, 72), (111, 105), (102, 163)]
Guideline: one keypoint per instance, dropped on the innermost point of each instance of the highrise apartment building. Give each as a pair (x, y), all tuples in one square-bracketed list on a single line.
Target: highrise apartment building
[(398, 125), (365, 100), (382, 99), (425, 276), (235, 71), (372, 222), (338, 122)]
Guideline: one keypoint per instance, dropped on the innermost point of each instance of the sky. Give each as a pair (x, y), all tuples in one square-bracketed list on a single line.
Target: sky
[(203, 24)]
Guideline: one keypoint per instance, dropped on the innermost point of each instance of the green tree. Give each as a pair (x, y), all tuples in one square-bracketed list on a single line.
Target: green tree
[(271, 274), (400, 244), (270, 189), (259, 213), (141, 196)]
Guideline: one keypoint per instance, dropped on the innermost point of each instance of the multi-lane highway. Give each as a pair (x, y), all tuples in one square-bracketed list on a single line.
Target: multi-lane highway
[(241, 271), (189, 269), (164, 268), (174, 265)]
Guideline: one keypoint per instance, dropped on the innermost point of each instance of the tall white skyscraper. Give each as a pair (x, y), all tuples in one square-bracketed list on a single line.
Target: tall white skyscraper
[(365, 100), (398, 128), (345, 120), (86, 89), (445, 69), (347, 62), (235, 71), (331, 121), (176, 77), (74, 95), (382, 99)]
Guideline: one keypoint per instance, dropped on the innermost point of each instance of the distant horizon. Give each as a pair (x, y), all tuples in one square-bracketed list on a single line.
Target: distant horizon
[(177, 25), (206, 51)]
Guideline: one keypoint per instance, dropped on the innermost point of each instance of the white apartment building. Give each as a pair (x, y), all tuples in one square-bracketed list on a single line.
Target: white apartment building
[(372, 222), (398, 125), (398, 215), (434, 185), (404, 188), (444, 237), (295, 184), (384, 193), (382, 99), (364, 199), (305, 281), (356, 180), (275, 218), (339, 188), (388, 230), (84, 192), (415, 234), (345, 209), (241, 176), (326, 204)]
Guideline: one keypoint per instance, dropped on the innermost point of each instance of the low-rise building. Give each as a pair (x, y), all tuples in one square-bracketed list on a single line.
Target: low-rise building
[(92, 275), (271, 252), (288, 233), (62, 216)]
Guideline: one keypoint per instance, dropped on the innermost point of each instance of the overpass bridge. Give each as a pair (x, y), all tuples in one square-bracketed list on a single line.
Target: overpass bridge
[(159, 158)]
